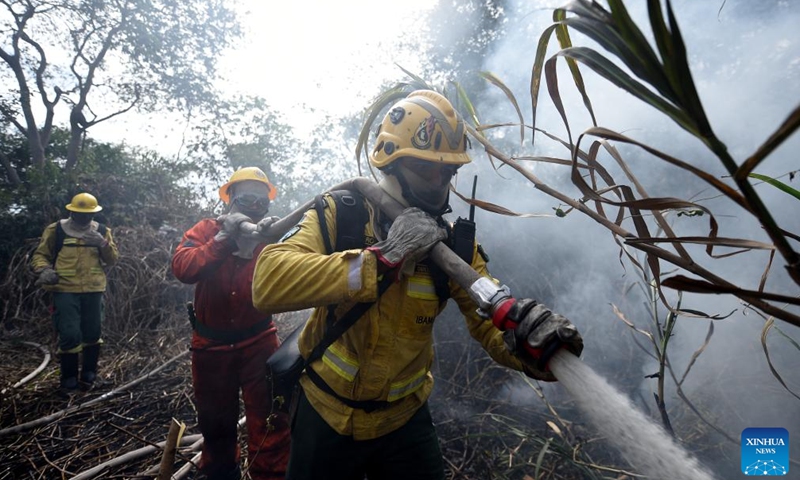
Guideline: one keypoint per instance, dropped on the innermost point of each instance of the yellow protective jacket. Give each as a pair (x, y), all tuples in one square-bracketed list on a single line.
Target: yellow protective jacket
[(385, 356), (79, 266)]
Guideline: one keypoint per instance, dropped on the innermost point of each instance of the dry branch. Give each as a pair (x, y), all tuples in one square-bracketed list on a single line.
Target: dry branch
[(176, 429), (128, 457), (61, 413)]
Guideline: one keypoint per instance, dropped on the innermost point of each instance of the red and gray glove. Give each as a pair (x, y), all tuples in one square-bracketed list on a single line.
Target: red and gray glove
[(410, 238), (539, 334)]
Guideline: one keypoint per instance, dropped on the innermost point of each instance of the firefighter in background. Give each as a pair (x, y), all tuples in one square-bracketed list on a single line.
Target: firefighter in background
[(232, 340), (363, 409), (69, 262)]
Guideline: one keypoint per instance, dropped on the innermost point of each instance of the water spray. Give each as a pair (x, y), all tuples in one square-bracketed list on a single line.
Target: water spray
[(644, 444)]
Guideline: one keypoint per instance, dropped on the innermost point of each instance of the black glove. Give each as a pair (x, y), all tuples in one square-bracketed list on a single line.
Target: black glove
[(538, 336)]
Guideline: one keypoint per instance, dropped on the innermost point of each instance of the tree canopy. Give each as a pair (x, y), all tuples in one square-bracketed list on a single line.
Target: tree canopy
[(101, 59)]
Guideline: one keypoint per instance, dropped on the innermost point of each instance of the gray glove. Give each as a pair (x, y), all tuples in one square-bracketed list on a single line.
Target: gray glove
[(411, 236), (262, 227), (94, 239), (47, 276), (539, 334), (230, 225)]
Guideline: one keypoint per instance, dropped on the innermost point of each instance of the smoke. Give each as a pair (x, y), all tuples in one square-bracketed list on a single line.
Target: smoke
[(745, 60)]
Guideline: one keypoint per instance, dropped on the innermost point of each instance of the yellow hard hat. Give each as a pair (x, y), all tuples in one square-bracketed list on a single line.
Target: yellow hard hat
[(423, 125), (247, 173), (84, 203)]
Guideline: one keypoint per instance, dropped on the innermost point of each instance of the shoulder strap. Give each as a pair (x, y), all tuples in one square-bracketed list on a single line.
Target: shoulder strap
[(351, 218), (60, 235), (337, 329), (319, 206)]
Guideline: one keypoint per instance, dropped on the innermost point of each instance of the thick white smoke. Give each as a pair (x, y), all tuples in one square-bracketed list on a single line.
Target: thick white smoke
[(746, 64)]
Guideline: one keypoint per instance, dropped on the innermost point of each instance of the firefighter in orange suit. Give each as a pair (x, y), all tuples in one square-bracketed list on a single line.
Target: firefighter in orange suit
[(363, 410), (232, 340)]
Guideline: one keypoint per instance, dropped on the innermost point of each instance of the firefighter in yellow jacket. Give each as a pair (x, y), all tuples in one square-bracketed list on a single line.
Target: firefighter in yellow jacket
[(69, 262), (363, 408)]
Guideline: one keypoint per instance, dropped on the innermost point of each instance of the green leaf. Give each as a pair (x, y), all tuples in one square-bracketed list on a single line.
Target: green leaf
[(562, 33), (777, 184), (618, 77), (464, 97), (688, 97), (536, 74), (639, 46)]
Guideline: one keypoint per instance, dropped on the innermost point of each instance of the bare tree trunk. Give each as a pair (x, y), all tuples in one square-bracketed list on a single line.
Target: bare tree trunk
[(11, 172), (75, 138)]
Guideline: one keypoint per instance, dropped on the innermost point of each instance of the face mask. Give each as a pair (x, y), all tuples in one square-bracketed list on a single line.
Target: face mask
[(81, 219), (428, 182)]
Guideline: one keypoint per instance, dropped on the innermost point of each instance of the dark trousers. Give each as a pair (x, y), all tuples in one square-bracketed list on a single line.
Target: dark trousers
[(320, 453), (218, 377), (77, 317)]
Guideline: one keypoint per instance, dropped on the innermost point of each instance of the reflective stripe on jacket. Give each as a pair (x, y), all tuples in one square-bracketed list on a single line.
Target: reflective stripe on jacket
[(222, 295), (79, 266), (388, 353)]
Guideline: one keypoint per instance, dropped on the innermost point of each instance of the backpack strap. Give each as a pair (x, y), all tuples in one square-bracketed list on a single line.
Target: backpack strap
[(319, 206), (351, 219), (60, 236)]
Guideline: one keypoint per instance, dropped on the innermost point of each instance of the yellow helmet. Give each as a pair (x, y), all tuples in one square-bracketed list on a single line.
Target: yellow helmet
[(247, 173), (423, 125), (84, 203)]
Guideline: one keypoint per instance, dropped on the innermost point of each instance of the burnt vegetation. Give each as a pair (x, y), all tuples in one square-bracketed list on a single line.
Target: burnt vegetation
[(114, 430)]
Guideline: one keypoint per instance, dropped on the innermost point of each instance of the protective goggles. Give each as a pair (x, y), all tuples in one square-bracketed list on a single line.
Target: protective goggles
[(425, 168), (252, 201)]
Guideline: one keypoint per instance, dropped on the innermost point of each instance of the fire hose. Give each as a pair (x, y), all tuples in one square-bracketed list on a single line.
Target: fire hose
[(494, 302)]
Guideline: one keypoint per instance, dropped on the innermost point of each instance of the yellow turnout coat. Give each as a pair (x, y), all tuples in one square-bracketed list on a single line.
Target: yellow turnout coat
[(79, 266), (385, 356)]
